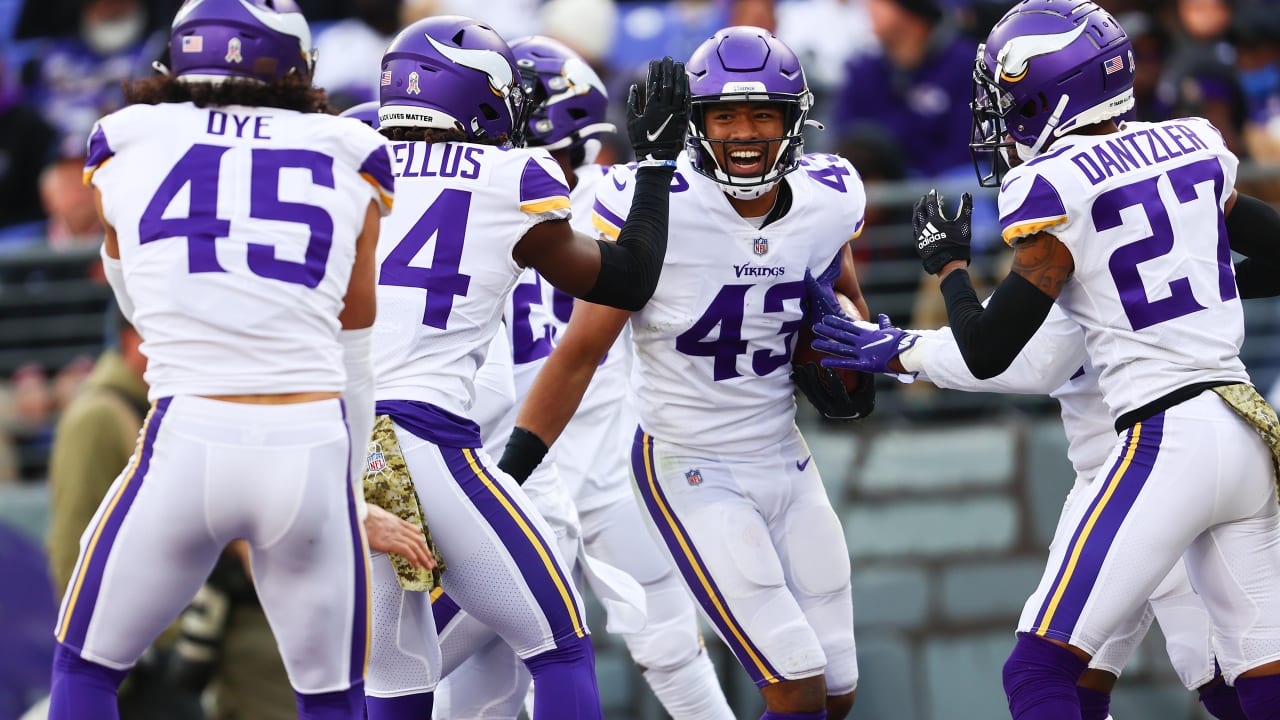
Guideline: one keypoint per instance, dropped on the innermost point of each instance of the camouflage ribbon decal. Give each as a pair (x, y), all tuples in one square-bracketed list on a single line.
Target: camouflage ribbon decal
[(387, 484), (1251, 406)]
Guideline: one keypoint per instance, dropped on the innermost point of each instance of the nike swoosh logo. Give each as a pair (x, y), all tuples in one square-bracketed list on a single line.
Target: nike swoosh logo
[(801, 465), (620, 185), (654, 135), (881, 341)]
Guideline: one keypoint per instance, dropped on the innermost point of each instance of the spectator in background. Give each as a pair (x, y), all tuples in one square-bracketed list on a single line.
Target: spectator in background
[(77, 79), (26, 146), (73, 221), (916, 88), (1257, 34), (1199, 77), (349, 53)]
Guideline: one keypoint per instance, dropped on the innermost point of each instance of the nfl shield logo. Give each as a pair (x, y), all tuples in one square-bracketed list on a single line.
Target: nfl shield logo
[(377, 462), (694, 477), (760, 246), (233, 51), (413, 88)]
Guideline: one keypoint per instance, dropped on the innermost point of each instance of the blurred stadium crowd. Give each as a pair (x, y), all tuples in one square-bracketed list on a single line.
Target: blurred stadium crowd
[(891, 77)]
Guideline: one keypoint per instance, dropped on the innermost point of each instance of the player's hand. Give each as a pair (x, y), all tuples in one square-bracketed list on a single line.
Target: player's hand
[(389, 534), (657, 121), (826, 392), (861, 345), (820, 298), (940, 239)]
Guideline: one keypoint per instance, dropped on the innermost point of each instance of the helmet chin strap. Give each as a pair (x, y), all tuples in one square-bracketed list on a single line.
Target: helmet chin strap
[(1047, 132)]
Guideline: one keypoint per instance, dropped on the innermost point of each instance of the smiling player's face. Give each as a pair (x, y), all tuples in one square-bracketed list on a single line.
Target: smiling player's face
[(750, 126)]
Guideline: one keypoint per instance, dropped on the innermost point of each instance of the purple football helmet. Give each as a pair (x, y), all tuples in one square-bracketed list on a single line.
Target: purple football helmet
[(1047, 68), (567, 98), (366, 112), (744, 64), (451, 72), (213, 40)]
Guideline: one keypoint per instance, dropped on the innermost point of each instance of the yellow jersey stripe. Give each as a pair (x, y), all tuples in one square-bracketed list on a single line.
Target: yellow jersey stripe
[(87, 177), (534, 207), (1078, 548), (693, 562), (102, 523), (534, 540), (384, 197), (604, 226), (1030, 227)]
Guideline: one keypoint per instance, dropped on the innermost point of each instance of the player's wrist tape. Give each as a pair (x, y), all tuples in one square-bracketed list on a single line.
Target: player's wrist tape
[(654, 162), (523, 454), (912, 361), (629, 268)]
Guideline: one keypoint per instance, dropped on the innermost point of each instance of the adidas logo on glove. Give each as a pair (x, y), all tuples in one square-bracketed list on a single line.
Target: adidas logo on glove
[(930, 235)]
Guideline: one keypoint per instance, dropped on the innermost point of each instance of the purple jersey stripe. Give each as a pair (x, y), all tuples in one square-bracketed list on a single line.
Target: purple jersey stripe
[(88, 580), (556, 596), (362, 619), (99, 151), (694, 570), (378, 168), (538, 184), (604, 212), (443, 610), (1042, 202), (1092, 540)]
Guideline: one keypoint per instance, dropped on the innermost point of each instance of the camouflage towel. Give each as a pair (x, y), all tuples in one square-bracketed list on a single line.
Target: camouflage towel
[(387, 484), (1251, 406)]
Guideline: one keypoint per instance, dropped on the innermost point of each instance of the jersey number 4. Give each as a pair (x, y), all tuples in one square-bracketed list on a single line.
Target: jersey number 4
[(446, 221), (198, 171)]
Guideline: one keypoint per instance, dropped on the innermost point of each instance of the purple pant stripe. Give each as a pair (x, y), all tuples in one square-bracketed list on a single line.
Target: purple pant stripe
[(692, 568), (361, 623), (443, 609), (1093, 538), (88, 581), (555, 594)]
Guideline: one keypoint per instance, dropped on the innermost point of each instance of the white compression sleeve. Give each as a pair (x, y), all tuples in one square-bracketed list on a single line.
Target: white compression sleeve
[(114, 270), (357, 359)]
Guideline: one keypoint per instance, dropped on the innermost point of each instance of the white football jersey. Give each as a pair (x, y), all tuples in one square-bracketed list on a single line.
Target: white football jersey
[(713, 346), (1153, 288), (237, 230), (1053, 363), (445, 261)]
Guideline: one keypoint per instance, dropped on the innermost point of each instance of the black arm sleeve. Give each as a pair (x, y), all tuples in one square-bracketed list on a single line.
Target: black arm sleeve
[(1253, 229), (990, 339), (629, 268)]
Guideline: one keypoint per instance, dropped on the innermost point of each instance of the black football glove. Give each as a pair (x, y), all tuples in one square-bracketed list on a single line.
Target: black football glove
[(828, 394), (657, 130), (940, 239)]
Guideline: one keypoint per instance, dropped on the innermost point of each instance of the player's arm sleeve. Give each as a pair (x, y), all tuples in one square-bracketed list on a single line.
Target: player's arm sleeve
[(113, 268), (1050, 358), (991, 339), (630, 268), (376, 171), (1253, 229), (357, 360), (90, 448)]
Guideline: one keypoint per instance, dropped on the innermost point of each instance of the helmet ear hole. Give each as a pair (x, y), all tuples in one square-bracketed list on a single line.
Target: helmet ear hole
[(488, 111)]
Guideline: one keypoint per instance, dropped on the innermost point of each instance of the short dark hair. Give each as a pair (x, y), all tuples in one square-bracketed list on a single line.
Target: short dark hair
[(291, 92), (436, 135)]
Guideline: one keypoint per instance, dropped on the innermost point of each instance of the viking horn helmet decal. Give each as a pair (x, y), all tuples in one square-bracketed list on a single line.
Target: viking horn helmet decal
[(489, 62), (1014, 58)]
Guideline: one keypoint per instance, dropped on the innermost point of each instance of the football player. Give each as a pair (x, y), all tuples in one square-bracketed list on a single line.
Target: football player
[(240, 228), (591, 456), (725, 477), (1124, 227), (475, 211)]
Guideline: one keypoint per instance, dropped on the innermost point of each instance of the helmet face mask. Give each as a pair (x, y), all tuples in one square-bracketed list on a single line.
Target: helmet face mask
[(746, 65), (452, 73), (566, 100), (1048, 68), (261, 40)]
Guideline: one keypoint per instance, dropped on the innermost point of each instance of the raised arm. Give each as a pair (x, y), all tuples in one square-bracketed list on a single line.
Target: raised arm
[(624, 274)]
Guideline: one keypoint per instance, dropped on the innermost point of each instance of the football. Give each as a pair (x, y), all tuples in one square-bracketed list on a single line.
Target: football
[(805, 353)]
